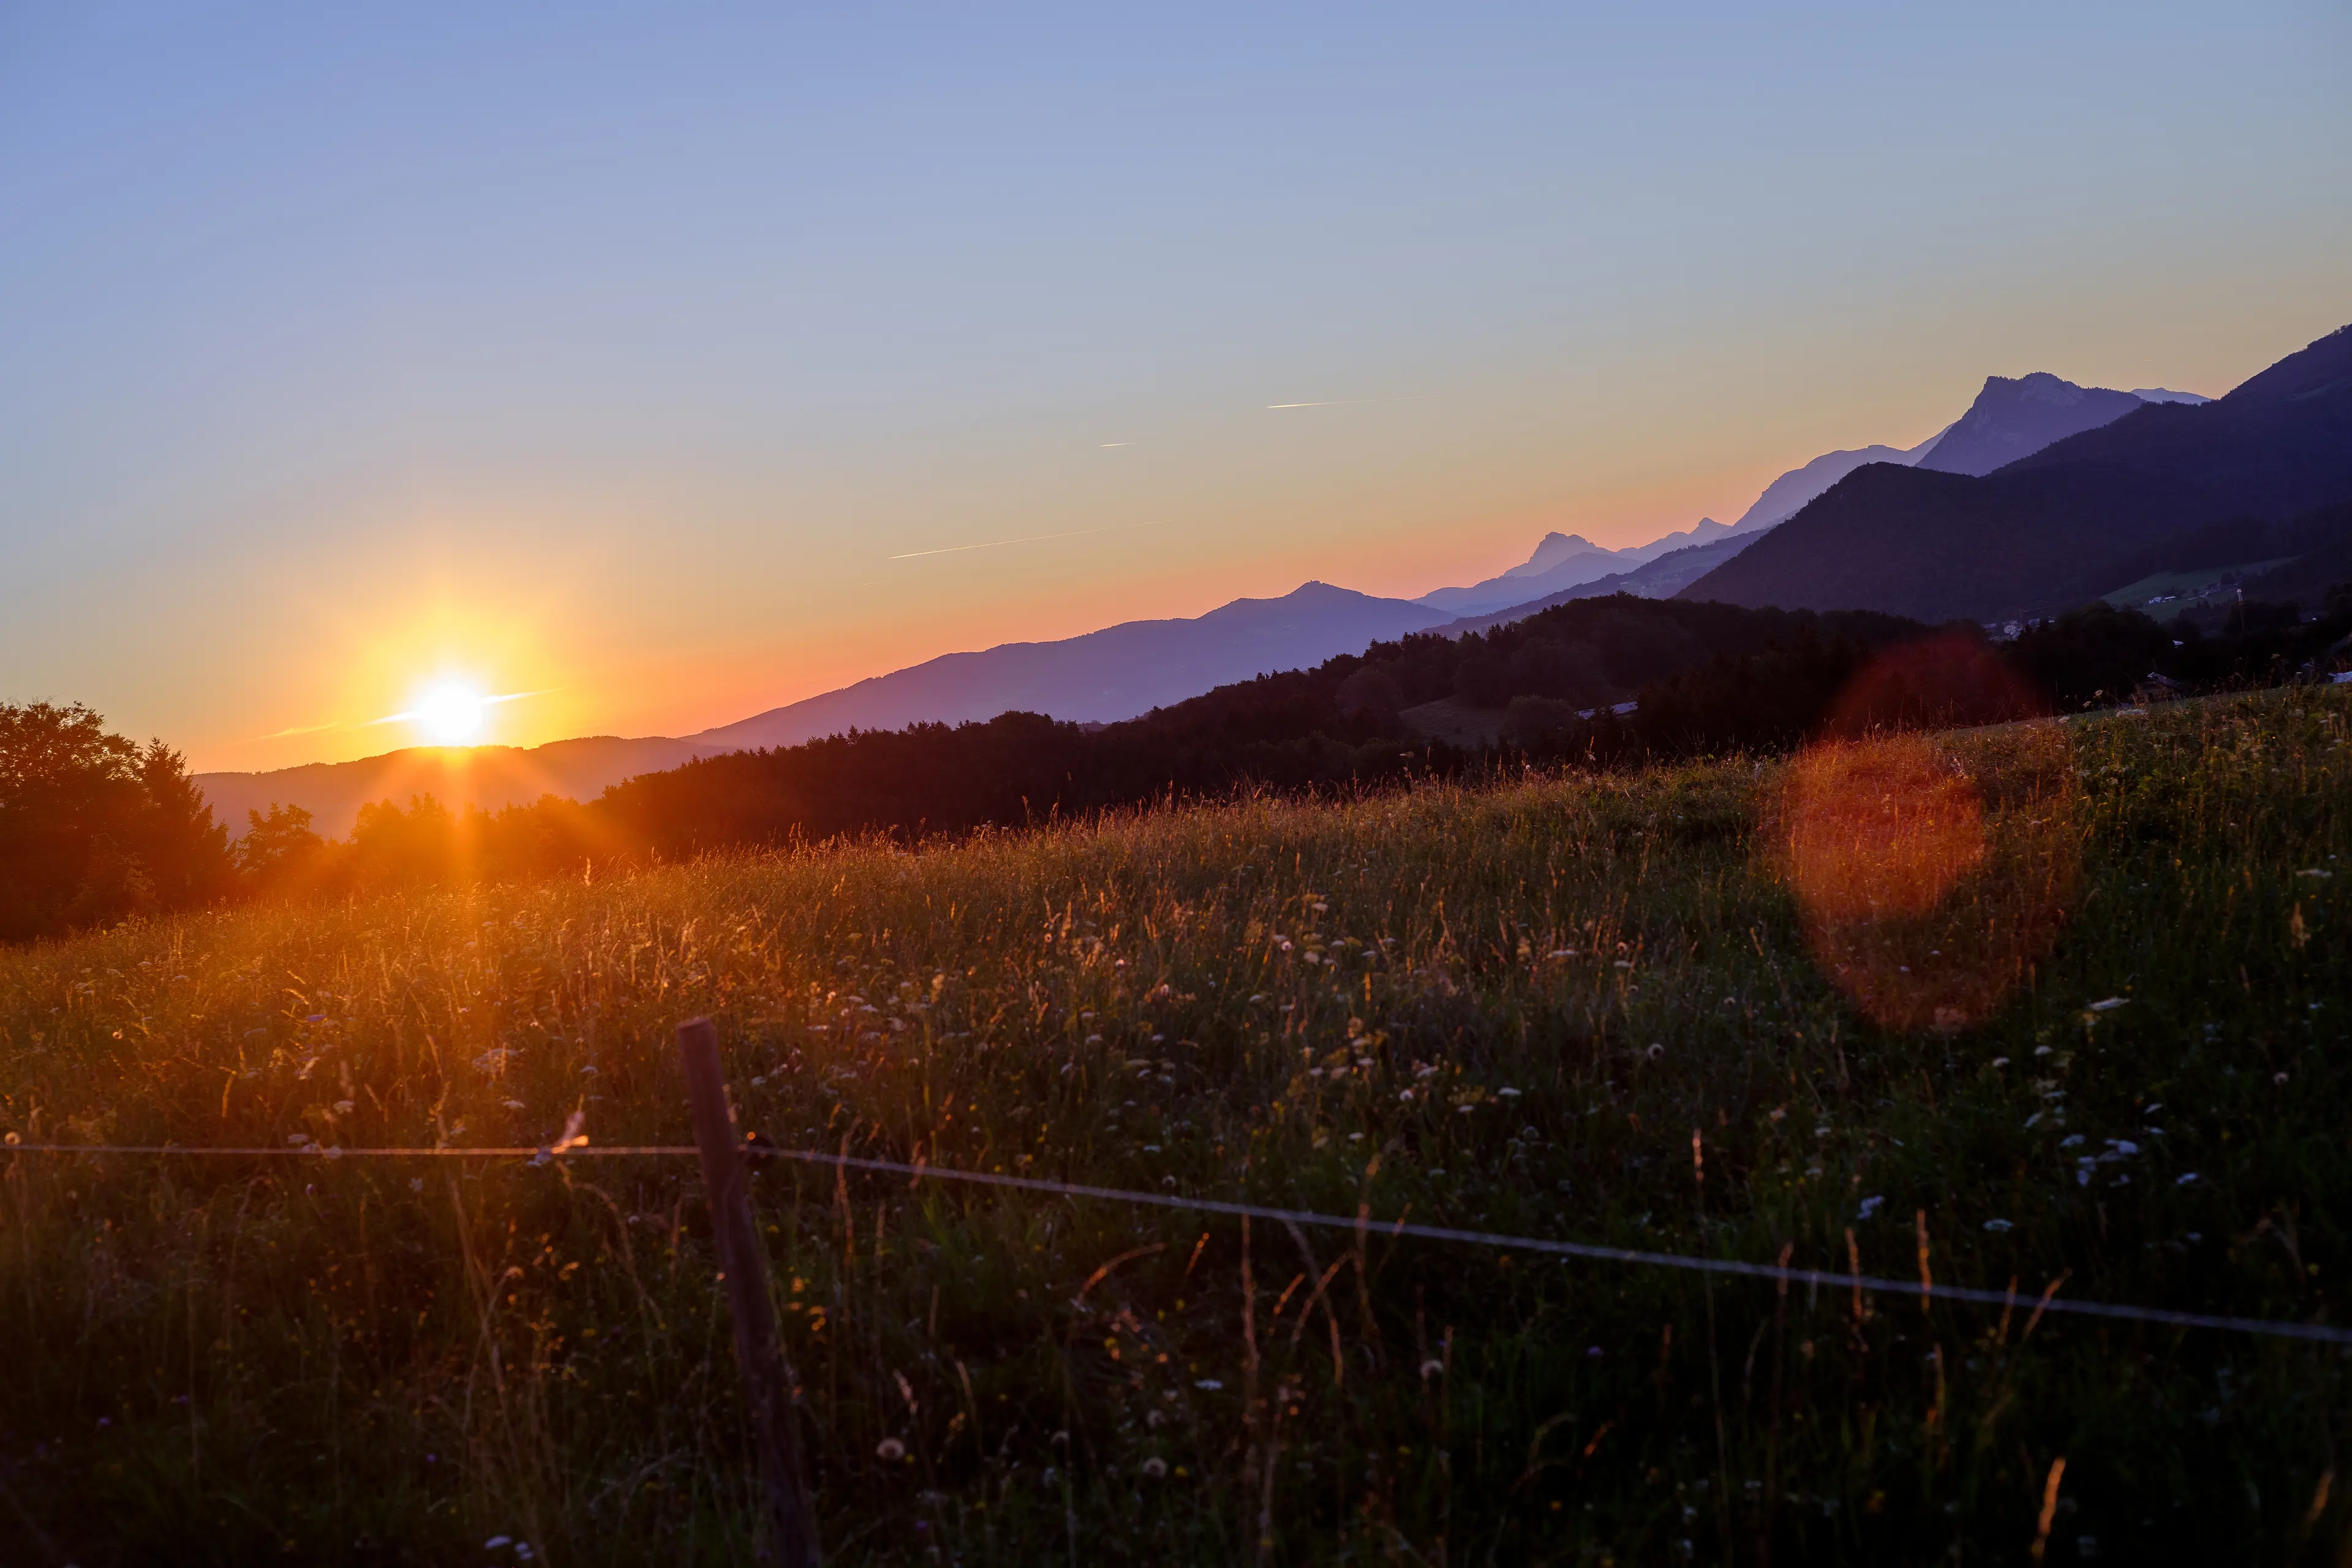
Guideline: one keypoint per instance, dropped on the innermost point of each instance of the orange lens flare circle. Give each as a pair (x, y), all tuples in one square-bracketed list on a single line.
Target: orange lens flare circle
[(1880, 829), (1931, 871)]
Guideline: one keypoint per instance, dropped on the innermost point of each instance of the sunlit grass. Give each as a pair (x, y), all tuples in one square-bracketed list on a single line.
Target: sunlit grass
[(1507, 1007)]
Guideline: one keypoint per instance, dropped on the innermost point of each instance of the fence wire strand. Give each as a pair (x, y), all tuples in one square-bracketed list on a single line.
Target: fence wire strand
[(2321, 1333)]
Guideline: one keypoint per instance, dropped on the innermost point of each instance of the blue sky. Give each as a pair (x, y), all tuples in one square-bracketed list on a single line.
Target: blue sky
[(615, 352)]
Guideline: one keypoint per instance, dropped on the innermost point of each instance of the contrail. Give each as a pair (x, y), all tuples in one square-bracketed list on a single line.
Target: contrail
[(388, 718), (486, 701), (1025, 539), (1351, 402)]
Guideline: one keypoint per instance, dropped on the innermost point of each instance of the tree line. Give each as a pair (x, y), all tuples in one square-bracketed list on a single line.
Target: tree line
[(95, 829)]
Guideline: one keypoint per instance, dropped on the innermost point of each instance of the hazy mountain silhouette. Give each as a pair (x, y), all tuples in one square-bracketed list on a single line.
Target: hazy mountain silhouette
[(1661, 578), (1115, 673), (1792, 490), (1560, 560), (1127, 669), (1660, 568), (2015, 418), (1555, 549), (2049, 529), (458, 776)]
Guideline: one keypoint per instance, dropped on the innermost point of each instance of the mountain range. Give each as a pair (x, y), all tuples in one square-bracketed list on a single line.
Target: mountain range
[(1112, 674), (1115, 673), (1125, 671), (2069, 521)]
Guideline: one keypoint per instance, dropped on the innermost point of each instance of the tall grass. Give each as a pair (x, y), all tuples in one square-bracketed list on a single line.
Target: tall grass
[(1529, 1008)]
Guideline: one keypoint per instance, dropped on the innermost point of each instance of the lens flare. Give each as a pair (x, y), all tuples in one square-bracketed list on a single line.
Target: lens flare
[(1932, 871)]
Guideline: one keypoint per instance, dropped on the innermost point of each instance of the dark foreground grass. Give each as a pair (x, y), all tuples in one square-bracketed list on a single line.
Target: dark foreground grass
[(1509, 1008)]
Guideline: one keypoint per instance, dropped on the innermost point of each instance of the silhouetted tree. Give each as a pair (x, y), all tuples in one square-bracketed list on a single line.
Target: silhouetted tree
[(94, 828)]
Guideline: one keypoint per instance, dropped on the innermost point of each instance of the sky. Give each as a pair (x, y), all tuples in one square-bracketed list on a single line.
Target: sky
[(634, 357)]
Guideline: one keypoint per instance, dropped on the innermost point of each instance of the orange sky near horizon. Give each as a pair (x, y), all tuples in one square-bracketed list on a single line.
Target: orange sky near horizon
[(513, 627), (665, 372)]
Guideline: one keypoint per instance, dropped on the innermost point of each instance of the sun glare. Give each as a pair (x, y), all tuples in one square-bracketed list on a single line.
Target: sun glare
[(452, 713)]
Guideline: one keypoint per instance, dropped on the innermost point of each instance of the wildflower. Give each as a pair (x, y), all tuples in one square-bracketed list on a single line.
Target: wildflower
[(2070, 1140), (1209, 1383), (1432, 1368), (889, 1450), (2185, 1179), (1155, 1468), (1507, 1092), (2278, 1077), (1871, 1205), (2000, 1061), (494, 1542)]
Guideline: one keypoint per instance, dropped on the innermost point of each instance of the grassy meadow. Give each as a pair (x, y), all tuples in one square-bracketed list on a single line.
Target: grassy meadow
[(1509, 1007)]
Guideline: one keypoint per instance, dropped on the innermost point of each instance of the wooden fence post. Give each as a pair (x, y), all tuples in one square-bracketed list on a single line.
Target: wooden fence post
[(743, 1268)]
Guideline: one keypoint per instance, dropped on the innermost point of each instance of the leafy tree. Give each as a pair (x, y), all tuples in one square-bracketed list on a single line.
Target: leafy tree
[(95, 828), (280, 849)]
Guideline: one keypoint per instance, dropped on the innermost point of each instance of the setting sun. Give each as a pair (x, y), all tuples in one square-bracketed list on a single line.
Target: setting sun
[(452, 713)]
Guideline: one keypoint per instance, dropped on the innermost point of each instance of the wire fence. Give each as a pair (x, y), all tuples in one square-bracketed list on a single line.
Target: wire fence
[(1926, 1289)]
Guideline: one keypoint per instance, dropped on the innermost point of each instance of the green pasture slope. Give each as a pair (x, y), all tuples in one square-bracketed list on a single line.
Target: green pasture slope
[(237, 1361)]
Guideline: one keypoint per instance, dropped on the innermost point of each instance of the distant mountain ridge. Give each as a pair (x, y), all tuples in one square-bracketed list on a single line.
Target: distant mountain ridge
[(1125, 671), (1115, 673), (2050, 529), (458, 776), (1792, 490), (1565, 560), (2016, 418)]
